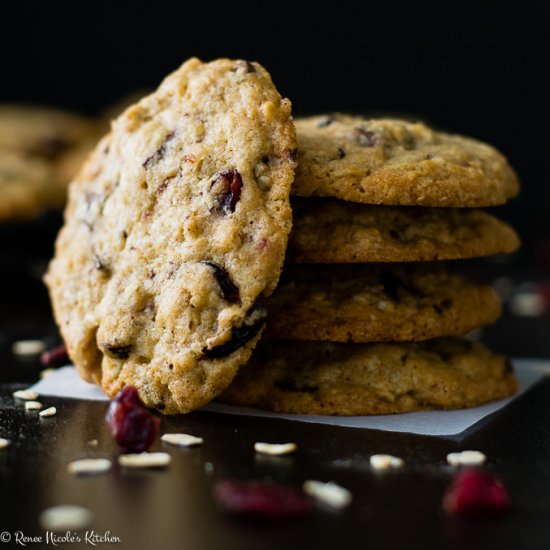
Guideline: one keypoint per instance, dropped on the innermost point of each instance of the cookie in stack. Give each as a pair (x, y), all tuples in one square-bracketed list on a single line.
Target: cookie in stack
[(367, 319)]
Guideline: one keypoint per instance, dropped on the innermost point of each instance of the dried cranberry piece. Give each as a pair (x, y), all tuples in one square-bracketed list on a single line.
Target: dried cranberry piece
[(229, 290), (132, 425), (227, 186), (261, 500), (474, 492), (239, 335), (365, 138), (159, 153), (118, 352), (56, 357)]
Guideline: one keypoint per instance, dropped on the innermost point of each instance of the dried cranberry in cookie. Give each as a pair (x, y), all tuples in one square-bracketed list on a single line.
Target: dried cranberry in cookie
[(172, 235)]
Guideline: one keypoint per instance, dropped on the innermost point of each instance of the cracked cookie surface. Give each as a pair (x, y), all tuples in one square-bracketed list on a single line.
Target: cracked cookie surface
[(176, 228), (385, 161), (334, 231), (377, 302), (358, 379)]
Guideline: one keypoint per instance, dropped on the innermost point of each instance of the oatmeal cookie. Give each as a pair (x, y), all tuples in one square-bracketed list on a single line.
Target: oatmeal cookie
[(378, 302), (385, 161), (175, 229), (335, 231), (358, 379)]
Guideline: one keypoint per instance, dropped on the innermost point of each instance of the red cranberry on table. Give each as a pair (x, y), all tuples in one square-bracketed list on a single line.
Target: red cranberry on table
[(133, 426), (261, 500), (476, 493), (55, 357)]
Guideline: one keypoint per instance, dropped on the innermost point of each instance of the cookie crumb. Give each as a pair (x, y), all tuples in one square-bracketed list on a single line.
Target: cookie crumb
[(182, 440), (87, 466), (28, 347), (26, 395), (4, 443), (50, 411), (466, 458), (328, 493), (275, 449), (66, 517), (385, 462), (33, 405), (145, 460)]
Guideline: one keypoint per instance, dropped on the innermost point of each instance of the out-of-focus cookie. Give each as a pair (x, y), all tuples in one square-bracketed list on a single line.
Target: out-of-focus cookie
[(359, 379), (28, 186), (335, 231), (175, 229), (385, 161), (41, 149), (378, 302), (40, 131)]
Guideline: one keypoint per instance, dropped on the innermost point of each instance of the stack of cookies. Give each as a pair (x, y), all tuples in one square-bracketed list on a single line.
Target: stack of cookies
[(175, 236), (374, 324)]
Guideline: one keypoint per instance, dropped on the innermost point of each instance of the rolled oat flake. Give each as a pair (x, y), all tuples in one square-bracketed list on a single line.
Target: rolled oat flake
[(66, 517)]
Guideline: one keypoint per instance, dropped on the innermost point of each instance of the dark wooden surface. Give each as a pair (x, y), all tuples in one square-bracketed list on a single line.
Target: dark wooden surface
[(173, 508)]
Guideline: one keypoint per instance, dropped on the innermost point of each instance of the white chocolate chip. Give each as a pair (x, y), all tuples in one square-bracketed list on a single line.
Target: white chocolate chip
[(466, 458), (384, 462), (27, 395), (28, 347), (182, 440), (33, 405), (145, 460), (93, 443), (275, 449), (329, 493), (65, 518), (4, 443), (50, 411), (89, 466)]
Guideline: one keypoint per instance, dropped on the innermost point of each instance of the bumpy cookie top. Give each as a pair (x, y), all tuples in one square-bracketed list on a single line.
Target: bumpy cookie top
[(175, 228), (396, 162)]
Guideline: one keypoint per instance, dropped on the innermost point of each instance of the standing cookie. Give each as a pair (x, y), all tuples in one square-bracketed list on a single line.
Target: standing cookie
[(175, 229), (389, 161)]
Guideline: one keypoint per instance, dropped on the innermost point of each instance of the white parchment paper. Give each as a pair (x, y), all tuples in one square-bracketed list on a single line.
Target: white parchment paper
[(65, 382)]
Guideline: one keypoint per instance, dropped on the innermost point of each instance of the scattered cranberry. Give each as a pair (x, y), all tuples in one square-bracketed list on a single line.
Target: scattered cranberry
[(261, 500), (134, 427), (474, 492), (56, 357)]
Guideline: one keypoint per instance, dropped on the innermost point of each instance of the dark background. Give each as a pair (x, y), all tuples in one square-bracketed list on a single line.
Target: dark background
[(478, 68)]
